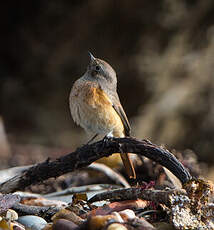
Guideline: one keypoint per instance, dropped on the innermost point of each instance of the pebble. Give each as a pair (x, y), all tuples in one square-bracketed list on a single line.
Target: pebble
[(127, 214), (32, 222), (116, 226), (62, 224), (11, 215)]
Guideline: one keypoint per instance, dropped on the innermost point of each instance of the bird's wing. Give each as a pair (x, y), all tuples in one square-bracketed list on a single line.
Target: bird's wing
[(119, 109)]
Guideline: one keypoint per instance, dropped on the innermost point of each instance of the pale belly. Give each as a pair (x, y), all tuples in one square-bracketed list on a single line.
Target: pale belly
[(93, 120)]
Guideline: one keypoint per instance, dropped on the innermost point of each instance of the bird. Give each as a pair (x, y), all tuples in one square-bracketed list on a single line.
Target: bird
[(95, 106)]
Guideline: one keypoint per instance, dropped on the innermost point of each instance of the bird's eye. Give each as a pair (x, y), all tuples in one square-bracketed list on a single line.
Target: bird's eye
[(97, 67)]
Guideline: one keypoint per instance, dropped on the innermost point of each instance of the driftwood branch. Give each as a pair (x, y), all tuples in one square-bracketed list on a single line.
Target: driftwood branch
[(45, 212), (157, 196), (87, 154)]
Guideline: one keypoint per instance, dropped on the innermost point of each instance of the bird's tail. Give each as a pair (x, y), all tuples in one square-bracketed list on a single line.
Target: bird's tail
[(128, 165)]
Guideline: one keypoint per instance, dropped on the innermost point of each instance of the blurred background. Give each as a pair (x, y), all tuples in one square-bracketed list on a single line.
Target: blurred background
[(162, 51)]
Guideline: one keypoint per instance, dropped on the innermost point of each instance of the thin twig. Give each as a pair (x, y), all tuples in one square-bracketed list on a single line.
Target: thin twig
[(115, 176), (81, 189)]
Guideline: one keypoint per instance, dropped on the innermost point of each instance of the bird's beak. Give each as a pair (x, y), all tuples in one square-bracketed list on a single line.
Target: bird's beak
[(92, 58)]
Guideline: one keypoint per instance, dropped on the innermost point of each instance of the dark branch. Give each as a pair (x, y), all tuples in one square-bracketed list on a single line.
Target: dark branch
[(87, 154), (158, 196), (45, 212)]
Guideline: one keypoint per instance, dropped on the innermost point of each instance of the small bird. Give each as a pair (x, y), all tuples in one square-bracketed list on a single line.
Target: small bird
[(96, 107)]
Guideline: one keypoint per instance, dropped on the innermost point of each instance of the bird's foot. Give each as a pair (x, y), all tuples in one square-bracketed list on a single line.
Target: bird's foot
[(107, 138)]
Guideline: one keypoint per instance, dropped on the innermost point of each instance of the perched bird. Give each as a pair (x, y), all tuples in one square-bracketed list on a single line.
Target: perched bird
[(96, 107)]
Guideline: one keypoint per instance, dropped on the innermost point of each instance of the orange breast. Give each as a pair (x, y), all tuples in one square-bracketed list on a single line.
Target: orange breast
[(92, 109)]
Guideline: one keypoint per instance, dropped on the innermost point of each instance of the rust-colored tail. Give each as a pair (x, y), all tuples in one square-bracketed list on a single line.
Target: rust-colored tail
[(128, 165)]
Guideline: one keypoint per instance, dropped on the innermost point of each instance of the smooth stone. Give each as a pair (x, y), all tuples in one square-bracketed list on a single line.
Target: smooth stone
[(63, 224), (32, 222)]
